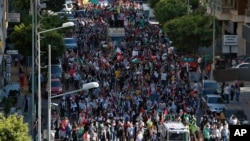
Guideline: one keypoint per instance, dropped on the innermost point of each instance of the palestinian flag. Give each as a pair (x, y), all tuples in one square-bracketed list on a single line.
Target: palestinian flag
[(118, 53), (135, 60), (105, 62)]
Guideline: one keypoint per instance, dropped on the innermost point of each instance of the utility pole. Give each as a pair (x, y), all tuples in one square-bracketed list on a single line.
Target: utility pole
[(213, 66)]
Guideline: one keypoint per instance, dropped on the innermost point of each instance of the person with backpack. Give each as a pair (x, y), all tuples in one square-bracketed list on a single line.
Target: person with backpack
[(224, 133)]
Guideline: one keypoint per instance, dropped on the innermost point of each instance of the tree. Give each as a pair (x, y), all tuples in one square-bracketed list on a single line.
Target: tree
[(190, 32), (21, 5), (152, 3), (55, 39), (12, 128), (21, 36), (166, 10), (24, 5), (55, 5)]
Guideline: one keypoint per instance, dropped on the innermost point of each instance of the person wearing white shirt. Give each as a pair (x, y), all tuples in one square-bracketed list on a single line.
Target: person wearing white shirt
[(164, 78), (227, 92), (233, 120)]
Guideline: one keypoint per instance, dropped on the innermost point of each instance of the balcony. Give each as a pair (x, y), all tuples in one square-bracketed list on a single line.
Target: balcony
[(221, 11), (235, 17)]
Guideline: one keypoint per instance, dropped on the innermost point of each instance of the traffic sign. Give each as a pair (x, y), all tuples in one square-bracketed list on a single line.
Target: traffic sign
[(230, 40)]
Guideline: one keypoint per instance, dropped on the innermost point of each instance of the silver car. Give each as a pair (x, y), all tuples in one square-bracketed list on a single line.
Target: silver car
[(213, 103)]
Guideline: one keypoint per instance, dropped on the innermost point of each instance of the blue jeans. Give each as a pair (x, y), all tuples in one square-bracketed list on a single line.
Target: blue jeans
[(237, 96), (227, 98), (224, 138)]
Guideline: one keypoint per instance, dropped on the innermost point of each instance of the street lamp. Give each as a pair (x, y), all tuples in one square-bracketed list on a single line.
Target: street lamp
[(64, 25)]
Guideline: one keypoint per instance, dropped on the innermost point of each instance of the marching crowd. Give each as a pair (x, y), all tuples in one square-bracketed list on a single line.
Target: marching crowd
[(142, 84)]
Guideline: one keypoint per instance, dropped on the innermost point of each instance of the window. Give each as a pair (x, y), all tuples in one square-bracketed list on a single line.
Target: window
[(55, 83), (176, 136), (210, 85), (215, 100)]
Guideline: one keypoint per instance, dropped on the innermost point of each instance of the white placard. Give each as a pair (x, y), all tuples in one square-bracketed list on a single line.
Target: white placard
[(14, 17), (230, 40), (116, 32), (10, 52)]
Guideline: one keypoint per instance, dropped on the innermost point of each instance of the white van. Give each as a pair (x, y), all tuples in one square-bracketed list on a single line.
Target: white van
[(68, 6), (174, 131), (149, 13)]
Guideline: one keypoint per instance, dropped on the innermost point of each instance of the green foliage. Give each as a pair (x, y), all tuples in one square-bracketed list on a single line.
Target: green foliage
[(166, 10), (152, 3), (21, 5), (7, 105), (194, 4), (190, 32), (24, 5), (55, 5), (55, 39), (21, 37), (12, 128), (51, 21)]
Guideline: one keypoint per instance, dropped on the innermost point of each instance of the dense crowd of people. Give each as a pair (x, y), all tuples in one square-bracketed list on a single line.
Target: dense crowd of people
[(142, 84)]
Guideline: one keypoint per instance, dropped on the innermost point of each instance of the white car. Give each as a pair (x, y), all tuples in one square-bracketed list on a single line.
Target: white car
[(213, 103), (242, 66)]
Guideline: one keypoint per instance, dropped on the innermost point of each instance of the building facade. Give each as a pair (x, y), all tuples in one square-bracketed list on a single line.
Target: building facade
[(3, 36), (235, 18)]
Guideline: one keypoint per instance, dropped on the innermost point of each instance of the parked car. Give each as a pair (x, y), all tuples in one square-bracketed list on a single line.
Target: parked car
[(70, 43), (242, 66), (56, 71), (246, 60), (191, 60), (239, 113), (68, 6), (56, 87), (213, 103), (210, 87)]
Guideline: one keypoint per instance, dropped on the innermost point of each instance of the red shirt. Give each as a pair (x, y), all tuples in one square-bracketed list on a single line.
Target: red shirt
[(71, 72)]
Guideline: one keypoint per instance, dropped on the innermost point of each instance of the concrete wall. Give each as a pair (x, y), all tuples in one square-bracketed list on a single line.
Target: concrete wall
[(232, 74)]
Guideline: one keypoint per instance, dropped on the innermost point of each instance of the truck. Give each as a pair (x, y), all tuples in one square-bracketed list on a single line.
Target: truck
[(174, 131)]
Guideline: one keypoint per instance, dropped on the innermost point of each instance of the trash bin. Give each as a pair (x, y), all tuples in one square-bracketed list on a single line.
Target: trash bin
[(52, 135)]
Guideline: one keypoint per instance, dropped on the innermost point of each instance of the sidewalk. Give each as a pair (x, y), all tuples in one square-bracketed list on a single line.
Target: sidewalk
[(244, 103), (21, 98)]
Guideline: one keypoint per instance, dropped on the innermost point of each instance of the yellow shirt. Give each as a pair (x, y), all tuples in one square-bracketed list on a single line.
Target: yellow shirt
[(117, 74)]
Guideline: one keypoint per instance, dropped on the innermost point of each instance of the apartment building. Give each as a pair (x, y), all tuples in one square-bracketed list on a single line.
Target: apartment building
[(235, 18)]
